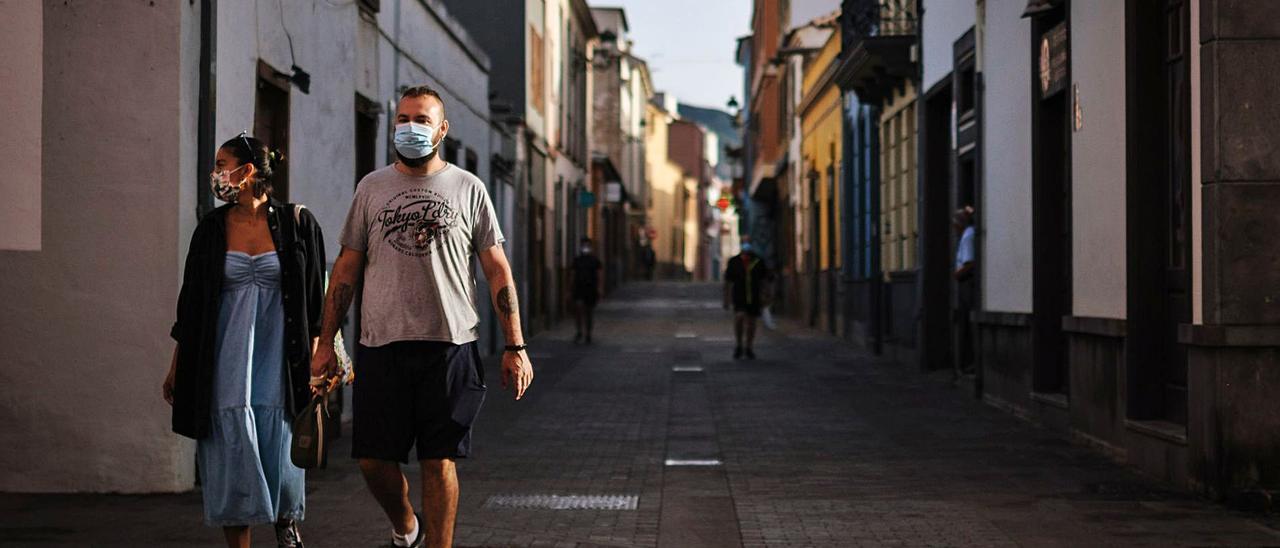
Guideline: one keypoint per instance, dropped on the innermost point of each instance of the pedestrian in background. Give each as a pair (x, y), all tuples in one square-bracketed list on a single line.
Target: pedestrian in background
[(248, 312), (746, 278), (966, 289), (586, 289), (413, 232), (648, 259)]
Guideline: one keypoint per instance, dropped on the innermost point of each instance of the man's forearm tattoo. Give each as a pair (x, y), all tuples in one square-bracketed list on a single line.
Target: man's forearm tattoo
[(340, 297), (507, 301)]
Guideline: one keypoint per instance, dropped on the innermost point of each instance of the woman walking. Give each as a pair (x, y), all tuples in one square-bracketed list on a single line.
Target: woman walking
[(248, 313)]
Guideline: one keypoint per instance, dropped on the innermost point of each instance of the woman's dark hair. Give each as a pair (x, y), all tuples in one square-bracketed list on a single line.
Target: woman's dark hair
[(249, 150)]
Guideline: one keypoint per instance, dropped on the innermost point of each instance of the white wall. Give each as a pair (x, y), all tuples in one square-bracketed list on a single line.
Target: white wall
[(87, 316), (944, 21), (1006, 165), (21, 86), (332, 44), (321, 160), (1098, 160)]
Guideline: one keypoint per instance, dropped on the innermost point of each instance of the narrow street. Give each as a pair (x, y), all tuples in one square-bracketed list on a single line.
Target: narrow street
[(655, 436)]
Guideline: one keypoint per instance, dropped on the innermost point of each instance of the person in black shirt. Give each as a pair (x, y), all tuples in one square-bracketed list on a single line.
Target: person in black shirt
[(586, 289), (745, 279)]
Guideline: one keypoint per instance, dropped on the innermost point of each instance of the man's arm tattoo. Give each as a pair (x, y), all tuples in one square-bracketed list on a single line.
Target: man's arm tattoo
[(336, 309), (507, 301)]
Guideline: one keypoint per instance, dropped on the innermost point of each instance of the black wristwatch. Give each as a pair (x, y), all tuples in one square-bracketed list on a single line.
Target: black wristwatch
[(514, 347)]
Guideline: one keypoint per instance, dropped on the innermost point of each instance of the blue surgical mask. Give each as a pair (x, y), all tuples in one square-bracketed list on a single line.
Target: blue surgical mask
[(414, 140)]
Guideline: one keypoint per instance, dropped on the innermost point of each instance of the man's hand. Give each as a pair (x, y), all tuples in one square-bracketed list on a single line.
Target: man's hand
[(517, 372), (324, 365)]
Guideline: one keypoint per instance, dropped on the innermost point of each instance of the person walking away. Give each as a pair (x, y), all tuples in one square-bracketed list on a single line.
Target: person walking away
[(745, 279), (966, 290), (413, 231), (247, 317), (586, 289), (648, 259)]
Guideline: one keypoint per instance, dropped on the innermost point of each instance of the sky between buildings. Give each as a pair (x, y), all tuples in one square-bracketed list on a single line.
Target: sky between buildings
[(690, 44)]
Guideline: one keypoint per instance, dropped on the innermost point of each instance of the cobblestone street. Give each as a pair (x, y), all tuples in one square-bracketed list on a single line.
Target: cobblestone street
[(812, 444)]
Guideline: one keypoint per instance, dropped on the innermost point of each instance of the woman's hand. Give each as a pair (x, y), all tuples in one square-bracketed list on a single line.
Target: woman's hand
[(167, 388)]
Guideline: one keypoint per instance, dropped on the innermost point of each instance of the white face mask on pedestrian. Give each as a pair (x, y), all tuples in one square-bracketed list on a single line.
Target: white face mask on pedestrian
[(414, 140)]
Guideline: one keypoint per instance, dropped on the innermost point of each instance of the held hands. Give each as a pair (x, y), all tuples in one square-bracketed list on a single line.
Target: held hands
[(517, 372), (325, 375)]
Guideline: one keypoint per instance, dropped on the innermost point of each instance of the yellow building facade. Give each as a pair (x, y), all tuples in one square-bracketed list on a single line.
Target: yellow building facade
[(821, 133), (673, 208)]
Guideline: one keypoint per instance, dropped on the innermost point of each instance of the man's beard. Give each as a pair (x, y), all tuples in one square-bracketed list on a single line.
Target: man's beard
[(416, 162)]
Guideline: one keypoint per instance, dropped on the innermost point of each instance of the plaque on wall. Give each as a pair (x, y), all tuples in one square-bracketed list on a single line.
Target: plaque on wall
[(1053, 61)]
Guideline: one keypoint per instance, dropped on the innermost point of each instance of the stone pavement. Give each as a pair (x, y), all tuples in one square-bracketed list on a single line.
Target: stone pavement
[(816, 445)]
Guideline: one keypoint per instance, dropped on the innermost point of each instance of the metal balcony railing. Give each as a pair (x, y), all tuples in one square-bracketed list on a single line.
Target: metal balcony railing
[(861, 19)]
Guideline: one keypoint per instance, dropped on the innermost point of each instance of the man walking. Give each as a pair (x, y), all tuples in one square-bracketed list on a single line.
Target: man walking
[(586, 289), (966, 292), (745, 281), (413, 231)]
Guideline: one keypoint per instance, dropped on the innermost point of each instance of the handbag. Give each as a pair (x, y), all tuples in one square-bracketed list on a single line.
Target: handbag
[(310, 448)]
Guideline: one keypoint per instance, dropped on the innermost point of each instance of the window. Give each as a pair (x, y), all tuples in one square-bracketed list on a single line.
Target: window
[(451, 148), (473, 162), (967, 91), (537, 70), (366, 138), (899, 230)]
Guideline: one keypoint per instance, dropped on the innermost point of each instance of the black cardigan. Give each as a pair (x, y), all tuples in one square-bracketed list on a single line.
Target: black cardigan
[(300, 248)]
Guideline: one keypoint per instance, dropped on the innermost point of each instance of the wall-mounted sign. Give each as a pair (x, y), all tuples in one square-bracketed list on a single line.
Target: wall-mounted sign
[(1053, 61), (586, 198), (613, 192)]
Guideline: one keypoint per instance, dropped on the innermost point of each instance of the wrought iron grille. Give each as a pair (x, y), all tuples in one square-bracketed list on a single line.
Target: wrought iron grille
[(861, 19)]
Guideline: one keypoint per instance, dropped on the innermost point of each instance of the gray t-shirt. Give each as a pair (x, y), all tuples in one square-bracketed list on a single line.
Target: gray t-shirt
[(419, 234)]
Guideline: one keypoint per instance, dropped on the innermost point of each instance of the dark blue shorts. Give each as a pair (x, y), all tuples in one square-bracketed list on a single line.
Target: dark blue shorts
[(415, 393)]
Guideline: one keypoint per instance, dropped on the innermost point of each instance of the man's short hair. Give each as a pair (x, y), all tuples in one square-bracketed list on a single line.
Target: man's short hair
[(423, 91)]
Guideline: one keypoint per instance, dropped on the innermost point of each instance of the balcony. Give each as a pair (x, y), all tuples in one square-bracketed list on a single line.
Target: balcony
[(877, 37)]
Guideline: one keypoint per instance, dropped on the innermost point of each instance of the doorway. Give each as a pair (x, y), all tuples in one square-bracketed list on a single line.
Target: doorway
[(815, 248), (832, 273), (936, 230), (271, 122), (1051, 202), (1159, 207)]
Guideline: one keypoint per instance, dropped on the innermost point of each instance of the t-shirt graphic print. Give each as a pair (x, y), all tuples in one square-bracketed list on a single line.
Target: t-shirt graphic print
[(420, 235), (414, 219)]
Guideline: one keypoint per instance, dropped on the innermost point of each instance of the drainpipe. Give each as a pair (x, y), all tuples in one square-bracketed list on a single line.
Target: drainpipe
[(395, 84), (206, 105)]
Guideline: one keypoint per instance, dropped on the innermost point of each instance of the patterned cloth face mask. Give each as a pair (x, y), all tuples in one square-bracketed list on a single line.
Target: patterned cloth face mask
[(223, 188)]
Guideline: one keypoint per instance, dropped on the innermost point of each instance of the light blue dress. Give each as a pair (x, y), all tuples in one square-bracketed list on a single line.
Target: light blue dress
[(246, 473)]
